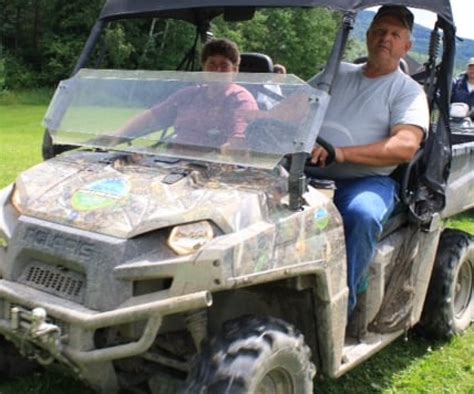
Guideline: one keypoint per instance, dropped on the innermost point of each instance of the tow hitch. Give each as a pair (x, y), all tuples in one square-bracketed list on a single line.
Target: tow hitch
[(36, 329)]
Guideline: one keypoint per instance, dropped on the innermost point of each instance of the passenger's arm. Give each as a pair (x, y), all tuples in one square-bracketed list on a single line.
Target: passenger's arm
[(245, 105), (137, 125), (399, 148)]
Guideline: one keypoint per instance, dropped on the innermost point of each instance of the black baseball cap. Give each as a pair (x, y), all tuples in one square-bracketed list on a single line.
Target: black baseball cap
[(403, 14)]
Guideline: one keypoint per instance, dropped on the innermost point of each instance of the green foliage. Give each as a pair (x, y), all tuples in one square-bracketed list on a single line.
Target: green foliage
[(160, 44), (118, 48), (61, 54), (299, 39), (42, 40), (354, 50), (17, 74), (2, 69), (40, 96)]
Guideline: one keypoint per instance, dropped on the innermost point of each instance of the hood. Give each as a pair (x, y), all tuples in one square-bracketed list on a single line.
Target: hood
[(125, 196)]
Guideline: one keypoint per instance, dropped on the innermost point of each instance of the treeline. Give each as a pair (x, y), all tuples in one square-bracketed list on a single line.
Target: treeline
[(41, 40)]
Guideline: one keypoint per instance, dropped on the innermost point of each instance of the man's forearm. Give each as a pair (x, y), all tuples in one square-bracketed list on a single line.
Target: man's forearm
[(378, 154), (397, 149)]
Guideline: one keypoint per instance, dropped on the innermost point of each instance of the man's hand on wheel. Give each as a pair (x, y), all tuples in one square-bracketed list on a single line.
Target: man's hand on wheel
[(319, 156)]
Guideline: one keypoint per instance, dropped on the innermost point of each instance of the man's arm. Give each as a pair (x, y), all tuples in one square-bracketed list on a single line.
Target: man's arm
[(399, 148)]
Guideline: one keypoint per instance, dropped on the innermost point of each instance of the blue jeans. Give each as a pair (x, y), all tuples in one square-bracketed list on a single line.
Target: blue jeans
[(365, 204)]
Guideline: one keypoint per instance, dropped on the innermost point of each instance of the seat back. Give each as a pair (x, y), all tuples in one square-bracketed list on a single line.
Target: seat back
[(251, 62)]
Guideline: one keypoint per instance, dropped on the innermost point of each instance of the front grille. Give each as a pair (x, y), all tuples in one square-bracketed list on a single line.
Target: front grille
[(55, 280)]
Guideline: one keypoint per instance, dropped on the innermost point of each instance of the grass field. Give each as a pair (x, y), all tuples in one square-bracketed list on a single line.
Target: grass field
[(410, 365)]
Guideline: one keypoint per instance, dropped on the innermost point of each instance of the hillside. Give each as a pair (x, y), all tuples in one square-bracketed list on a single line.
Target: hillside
[(421, 38)]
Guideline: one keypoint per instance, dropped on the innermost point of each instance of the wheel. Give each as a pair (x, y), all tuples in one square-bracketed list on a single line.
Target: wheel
[(268, 135), (449, 306), (253, 355), (264, 135)]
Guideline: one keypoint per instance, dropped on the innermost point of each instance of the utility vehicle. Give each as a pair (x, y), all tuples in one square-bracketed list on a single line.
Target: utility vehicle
[(166, 267)]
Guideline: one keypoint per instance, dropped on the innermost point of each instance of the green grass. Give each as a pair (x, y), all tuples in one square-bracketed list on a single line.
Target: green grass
[(407, 366), (26, 97), (413, 365), (464, 221), (21, 134)]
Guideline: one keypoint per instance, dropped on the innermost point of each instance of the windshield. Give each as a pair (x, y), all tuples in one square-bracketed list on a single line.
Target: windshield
[(243, 119)]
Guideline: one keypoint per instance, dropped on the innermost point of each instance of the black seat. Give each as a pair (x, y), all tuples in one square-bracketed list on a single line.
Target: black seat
[(251, 62)]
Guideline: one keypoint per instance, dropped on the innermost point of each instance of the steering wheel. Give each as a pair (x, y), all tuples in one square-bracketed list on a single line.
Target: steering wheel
[(262, 134), (329, 149)]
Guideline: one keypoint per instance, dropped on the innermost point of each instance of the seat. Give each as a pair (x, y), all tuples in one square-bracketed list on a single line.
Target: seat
[(252, 62)]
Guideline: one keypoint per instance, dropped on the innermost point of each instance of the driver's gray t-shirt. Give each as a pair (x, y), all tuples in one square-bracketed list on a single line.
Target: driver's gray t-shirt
[(363, 111)]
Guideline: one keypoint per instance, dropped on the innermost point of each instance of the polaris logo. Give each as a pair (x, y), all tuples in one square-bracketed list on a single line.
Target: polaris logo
[(59, 243)]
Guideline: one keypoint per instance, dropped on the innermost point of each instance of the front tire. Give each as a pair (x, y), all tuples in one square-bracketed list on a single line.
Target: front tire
[(254, 355), (449, 307)]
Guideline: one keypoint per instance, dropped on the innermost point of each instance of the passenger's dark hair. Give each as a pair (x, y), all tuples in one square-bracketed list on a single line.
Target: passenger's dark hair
[(223, 47)]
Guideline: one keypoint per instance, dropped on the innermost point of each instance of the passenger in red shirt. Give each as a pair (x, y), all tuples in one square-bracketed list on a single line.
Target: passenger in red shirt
[(207, 115)]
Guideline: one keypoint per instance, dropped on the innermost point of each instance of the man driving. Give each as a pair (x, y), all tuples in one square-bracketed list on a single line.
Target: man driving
[(376, 120)]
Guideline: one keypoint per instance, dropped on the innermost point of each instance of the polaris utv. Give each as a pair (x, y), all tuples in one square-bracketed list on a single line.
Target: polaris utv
[(169, 267)]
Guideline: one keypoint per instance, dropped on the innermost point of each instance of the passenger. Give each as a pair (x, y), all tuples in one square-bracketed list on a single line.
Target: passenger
[(265, 101), (376, 120), (279, 69), (205, 115), (463, 87)]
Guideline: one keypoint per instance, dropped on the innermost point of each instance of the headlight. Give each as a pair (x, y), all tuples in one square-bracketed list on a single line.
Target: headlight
[(189, 238), (16, 199), (8, 215)]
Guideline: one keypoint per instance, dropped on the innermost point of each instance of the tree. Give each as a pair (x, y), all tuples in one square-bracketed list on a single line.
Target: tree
[(300, 39), (42, 39)]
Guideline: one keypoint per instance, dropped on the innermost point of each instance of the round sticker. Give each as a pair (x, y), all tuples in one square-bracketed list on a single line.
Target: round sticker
[(100, 194)]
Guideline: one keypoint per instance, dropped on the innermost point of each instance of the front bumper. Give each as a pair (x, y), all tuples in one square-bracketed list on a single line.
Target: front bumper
[(73, 326)]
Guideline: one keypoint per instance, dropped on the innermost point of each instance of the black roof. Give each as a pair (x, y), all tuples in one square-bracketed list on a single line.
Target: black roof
[(186, 9)]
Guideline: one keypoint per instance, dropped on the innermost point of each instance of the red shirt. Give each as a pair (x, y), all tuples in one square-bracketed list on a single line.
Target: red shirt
[(202, 115)]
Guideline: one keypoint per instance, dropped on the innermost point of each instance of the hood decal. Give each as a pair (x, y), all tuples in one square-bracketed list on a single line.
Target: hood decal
[(101, 194)]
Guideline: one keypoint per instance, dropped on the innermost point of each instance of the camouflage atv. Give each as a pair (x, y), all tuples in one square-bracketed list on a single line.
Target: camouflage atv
[(166, 266)]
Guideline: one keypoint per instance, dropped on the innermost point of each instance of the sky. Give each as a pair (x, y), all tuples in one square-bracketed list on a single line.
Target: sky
[(463, 12)]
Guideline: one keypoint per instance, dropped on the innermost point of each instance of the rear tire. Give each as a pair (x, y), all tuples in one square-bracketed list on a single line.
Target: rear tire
[(253, 355), (449, 306)]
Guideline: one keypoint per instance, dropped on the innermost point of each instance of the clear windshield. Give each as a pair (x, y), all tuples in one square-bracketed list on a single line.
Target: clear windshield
[(243, 119)]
